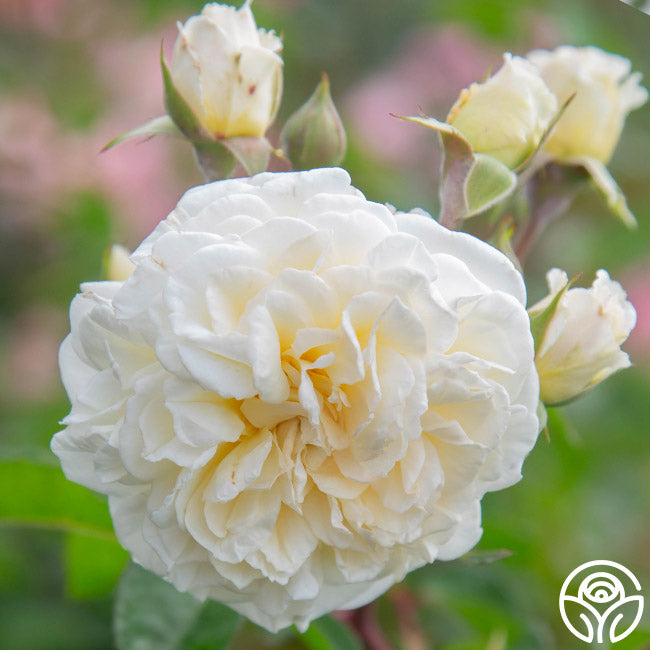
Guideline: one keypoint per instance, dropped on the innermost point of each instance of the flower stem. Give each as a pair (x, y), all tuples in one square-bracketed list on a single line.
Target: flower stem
[(363, 621)]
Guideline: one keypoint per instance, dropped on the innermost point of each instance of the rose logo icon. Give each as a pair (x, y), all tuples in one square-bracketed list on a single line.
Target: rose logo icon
[(601, 600)]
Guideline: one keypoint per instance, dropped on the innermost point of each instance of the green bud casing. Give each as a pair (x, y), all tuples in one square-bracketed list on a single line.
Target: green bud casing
[(314, 135)]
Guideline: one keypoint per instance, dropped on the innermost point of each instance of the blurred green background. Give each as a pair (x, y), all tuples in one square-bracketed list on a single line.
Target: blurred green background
[(74, 73)]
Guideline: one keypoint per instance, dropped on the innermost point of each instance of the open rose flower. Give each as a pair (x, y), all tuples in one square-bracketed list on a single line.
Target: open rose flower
[(605, 92), (228, 71), (299, 395), (581, 343)]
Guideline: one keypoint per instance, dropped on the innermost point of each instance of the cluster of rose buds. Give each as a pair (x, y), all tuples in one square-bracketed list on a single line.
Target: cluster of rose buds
[(293, 396), (223, 91)]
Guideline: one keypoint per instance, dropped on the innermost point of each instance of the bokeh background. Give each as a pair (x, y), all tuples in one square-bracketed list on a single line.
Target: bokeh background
[(75, 73)]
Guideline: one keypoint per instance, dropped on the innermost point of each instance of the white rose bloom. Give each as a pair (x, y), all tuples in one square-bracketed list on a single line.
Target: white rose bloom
[(299, 395), (605, 92), (582, 341), (228, 71), (506, 116)]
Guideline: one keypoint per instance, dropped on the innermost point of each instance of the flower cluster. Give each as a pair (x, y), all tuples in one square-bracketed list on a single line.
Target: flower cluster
[(222, 93), (293, 396), (567, 106), (298, 395)]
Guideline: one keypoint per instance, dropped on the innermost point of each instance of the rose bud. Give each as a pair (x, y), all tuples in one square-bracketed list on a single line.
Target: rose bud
[(579, 345), (605, 92), (117, 265), (507, 116), (228, 72), (314, 135)]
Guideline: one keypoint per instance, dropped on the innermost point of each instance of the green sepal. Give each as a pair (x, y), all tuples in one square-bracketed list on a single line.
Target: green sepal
[(540, 318), (502, 240), (177, 108), (217, 159), (214, 159), (471, 182), (532, 157), (607, 187), (251, 153), (162, 125), (489, 181)]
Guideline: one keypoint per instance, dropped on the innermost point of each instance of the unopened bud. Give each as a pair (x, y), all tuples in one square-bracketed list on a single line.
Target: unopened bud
[(578, 335), (117, 265), (314, 135)]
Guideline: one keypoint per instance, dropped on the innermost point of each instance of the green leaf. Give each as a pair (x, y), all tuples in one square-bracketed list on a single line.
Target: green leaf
[(326, 633), (163, 125), (177, 108), (151, 614), (40, 495), (93, 566), (488, 182), (214, 628), (29, 453), (607, 186)]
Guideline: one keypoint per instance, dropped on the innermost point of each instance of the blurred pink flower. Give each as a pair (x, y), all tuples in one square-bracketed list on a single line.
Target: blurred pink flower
[(38, 162), (59, 18), (637, 284), (435, 65), (140, 178), (41, 162), (39, 14), (31, 370)]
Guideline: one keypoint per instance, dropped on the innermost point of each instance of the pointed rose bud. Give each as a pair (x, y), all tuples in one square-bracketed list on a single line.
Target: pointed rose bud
[(117, 265), (226, 72), (605, 92), (582, 330), (314, 135), (507, 116)]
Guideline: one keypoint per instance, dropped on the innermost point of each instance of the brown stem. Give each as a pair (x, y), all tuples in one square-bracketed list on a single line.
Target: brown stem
[(364, 622), (406, 606), (546, 212)]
